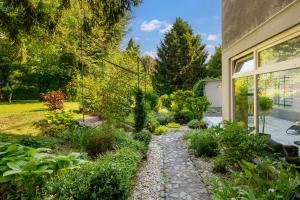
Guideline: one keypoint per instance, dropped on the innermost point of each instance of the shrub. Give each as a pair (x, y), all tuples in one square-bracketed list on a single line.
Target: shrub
[(152, 99), (204, 144), (179, 97), (79, 136), (152, 122), (183, 117), (240, 142), (100, 144), (197, 105), (219, 165), (55, 99), (196, 124), (143, 136), (165, 101), (139, 111), (24, 169), (198, 88), (110, 177), (162, 119), (173, 125), (267, 180), (161, 130)]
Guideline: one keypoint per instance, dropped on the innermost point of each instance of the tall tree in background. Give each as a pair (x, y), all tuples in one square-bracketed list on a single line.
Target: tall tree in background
[(214, 68), (133, 49), (181, 59)]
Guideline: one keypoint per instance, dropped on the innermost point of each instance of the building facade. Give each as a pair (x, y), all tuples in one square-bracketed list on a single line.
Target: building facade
[(213, 91), (261, 66)]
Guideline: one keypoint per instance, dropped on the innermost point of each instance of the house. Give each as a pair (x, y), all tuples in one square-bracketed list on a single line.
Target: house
[(261, 64), (213, 91)]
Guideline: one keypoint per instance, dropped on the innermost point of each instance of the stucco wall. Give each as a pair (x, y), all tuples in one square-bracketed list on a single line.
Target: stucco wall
[(213, 91), (242, 16)]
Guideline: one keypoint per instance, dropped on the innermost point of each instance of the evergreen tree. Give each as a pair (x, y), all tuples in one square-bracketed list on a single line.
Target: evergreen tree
[(140, 114), (214, 68), (133, 49), (181, 59)]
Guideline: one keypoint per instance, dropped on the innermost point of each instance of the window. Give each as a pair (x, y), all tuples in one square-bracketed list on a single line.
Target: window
[(243, 65), (284, 51)]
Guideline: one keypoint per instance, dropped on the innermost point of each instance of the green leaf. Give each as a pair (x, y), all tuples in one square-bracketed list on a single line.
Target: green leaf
[(11, 172)]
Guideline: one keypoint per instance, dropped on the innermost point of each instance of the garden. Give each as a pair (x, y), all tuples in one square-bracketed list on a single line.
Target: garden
[(62, 66)]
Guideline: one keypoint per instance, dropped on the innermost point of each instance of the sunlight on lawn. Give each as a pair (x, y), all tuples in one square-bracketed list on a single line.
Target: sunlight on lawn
[(18, 118)]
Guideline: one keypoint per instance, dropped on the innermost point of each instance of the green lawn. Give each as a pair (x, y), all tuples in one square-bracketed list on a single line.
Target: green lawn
[(18, 118)]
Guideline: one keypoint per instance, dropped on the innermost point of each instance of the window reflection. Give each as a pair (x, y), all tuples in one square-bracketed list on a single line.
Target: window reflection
[(243, 65), (244, 100), (282, 52), (283, 90)]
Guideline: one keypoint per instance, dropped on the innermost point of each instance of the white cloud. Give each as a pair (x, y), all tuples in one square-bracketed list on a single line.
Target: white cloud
[(210, 46), (212, 37), (168, 28), (151, 25), (152, 54)]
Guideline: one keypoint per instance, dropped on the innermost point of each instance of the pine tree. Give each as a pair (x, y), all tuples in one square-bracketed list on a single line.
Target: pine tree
[(214, 68), (133, 49), (181, 59)]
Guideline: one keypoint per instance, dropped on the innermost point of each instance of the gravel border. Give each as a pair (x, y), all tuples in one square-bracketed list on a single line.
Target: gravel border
[(148, 179)]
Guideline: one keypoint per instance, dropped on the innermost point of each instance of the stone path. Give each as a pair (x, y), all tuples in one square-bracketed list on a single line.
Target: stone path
[(179, 179)]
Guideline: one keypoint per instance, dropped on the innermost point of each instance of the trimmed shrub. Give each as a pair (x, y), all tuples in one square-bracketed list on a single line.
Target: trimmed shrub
[(196, 124), (162, 119), (219, 165), (173, 125), (143, 136), (183, 117), (161, 130), (204, 144), (109, 177), (55, 99), (140, 114)]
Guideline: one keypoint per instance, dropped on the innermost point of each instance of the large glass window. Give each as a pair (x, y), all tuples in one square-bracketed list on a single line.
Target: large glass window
[(279, 104), (287, 50), (244, 100), (245, 64)]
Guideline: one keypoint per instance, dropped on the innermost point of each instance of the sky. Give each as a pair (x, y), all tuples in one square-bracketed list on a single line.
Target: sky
[(153, 18)]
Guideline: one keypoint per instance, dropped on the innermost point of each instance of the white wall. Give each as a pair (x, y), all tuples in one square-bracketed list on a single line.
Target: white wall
[(213, 91)]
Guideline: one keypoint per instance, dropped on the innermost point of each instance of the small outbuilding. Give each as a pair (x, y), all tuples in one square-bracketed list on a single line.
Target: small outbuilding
[(213, 91)]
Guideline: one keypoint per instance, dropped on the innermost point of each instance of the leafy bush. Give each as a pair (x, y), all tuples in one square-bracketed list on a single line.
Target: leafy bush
[(161, 130), (196, 124), (55, 99), (143, 136), (162, 119), (31, 142), (79, 136), (219, 165), (204, 144), (267, 180), (110, 177), (100, 144), (165, 101), (198, 88), (24, 169), (152, 99), (179, 97), (173, 125), (183, 117), (139, 111), (152, 122), (240, 142), (197, 105)]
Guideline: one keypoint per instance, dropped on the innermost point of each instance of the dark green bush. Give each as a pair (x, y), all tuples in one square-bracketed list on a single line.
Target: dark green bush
[(100, 144), (219, 165), (240, 142), (143, 136), (140, 114), (79, 136), (267, 180), (198, 88), (152, 99), (196, 124), (163, 119), (204, 144), (183, 117), (110, 177)]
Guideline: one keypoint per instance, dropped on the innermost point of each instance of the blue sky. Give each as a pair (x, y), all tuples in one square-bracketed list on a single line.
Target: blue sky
[(154, 17)]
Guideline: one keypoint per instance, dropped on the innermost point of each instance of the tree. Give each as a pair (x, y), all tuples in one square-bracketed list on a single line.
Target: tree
[(133, 49), (139, 111), (181, 59), (265, 105), (214, 68)]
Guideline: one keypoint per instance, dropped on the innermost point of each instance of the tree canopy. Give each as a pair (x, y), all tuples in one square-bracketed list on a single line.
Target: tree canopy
[(181, 59), (214, 67)]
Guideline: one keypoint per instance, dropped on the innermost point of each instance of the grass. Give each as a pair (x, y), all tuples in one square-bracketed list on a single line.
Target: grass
[(17, 118)]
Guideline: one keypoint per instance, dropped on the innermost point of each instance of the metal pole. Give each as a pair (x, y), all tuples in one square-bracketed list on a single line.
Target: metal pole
[(81, 54)]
